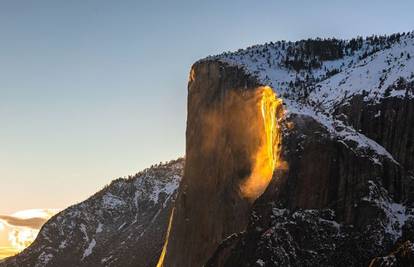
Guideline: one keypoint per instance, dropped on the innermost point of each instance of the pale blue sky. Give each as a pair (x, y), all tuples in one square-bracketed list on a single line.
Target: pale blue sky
[(94, 90)]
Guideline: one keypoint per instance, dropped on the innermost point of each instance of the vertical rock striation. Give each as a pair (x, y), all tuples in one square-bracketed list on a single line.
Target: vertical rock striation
[(389, 122)]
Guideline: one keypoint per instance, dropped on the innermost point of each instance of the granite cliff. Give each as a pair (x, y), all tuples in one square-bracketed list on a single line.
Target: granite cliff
[(341, 189)]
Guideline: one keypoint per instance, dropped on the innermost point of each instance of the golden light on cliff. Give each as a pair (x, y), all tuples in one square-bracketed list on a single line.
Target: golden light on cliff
[(267, 156), (167, 236), (233, 146)]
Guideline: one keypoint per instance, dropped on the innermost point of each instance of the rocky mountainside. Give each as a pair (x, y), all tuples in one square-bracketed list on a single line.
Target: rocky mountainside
[(341, 190), (297, 154), (122, 225)]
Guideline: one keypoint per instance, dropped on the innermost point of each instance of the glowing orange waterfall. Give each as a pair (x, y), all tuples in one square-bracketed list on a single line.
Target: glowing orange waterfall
[(267, 155)]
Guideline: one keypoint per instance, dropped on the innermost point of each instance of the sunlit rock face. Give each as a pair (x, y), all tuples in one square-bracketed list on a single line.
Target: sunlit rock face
[(347, 194), (233, 141), (322, 208), (335, 201)]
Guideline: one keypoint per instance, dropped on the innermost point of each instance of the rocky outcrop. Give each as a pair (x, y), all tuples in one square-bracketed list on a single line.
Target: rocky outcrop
[(345, 184), (346, 194), (402, 256), (122, 225), (390, 122), (359, 187), (324, 172), (329, 204), (227, 152)]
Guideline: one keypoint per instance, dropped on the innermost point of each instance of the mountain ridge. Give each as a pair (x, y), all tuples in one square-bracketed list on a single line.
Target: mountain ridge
[(121, 225)]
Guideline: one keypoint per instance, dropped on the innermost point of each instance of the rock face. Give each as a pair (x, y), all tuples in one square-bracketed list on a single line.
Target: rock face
[(389, 122), (325, 173), (228, 141), (403, 255), (326, 206), (344, 195), (122, 225)]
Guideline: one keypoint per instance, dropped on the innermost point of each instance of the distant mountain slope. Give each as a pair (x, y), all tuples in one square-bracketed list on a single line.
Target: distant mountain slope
[(122, 225)]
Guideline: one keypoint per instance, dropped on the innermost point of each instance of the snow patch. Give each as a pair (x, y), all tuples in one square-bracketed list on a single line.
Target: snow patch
[(260, 262), (122, 226), (396, 213), (88, 251), (111, 201), (63, 244), (99, 228), (44, 258), (167, 188)]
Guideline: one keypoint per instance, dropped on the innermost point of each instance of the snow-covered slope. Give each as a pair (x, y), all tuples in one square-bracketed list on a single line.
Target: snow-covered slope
[(122, 225), (372, 65), (315, 77)]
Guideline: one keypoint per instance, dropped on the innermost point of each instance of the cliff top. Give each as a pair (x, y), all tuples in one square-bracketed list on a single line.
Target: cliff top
[(316, 76)]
